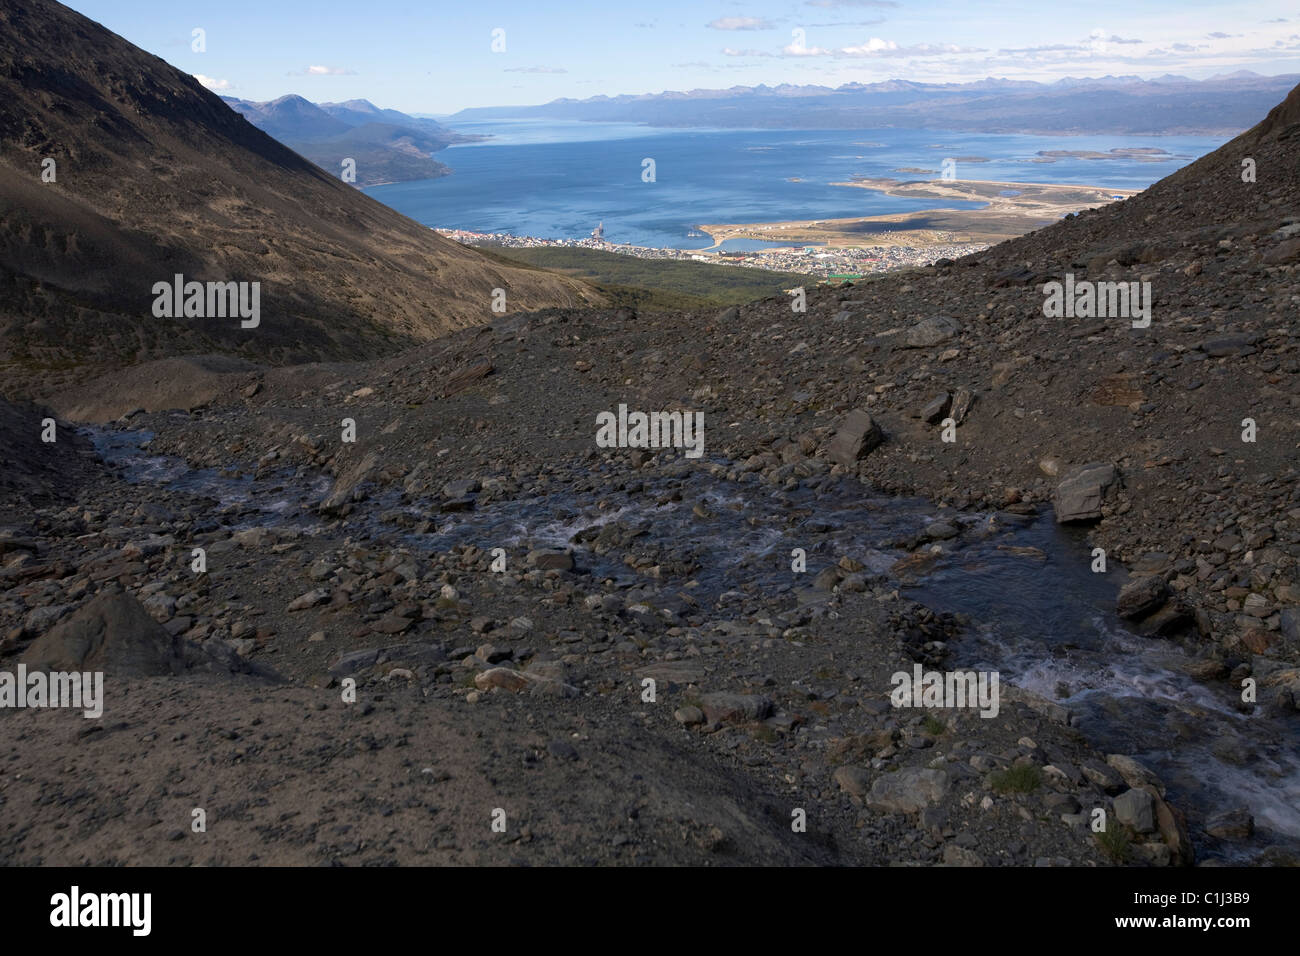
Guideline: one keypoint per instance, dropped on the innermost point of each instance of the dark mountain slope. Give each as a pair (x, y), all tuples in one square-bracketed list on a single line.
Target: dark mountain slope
[(157, 176)]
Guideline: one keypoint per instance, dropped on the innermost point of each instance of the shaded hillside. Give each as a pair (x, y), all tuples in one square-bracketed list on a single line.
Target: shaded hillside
[(382, 153), (385, 146), (157, 176)]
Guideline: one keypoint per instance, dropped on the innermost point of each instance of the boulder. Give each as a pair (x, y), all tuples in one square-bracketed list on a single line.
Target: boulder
[(1080, 494), (346, 486), (547, 559), (1283, 252), (1172, 826), (313, 598), (937, 409), (1141, 596), (1289, 622), (461, 488), (1136, 808), (112, 633), (1235, 824), (963, 400), (503, 677), (857, 435), (725, 708), (908, 790), (1229, 345), (1171, 618), (930, 332), (853, 780), (1135, 774)]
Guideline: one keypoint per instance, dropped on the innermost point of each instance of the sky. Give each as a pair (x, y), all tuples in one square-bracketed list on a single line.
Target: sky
[(434, 56)]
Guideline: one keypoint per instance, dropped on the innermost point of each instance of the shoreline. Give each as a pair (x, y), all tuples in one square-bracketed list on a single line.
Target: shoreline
[(855, 243), (825, 263), (1000, 217)]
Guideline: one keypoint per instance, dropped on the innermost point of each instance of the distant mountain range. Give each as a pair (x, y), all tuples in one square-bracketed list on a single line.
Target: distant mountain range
[(1221, 105), (386, 145)]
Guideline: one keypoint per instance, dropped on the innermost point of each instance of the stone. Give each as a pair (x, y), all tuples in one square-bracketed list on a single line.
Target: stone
[(1283, 252), (1061, 803), (908, 790), (355, 661), (954, 855), (461, 487), (857, 435), (941, 531), (727, 708), (1103, 776), (1289, 625), (1080, 494), (1173, 617), (1017, 275), (1137, 809), (1141, 596), (827, 579), (347, 487), (853, 780), (391, 624), (502, 677), (550, 560), (937, 409), (963, 400), (1230, 345), (112, 633), (670, 673), (313, 598), (930, 332), (39, 619), (1134, 773), (543, 687), (1235, 824), (1172, 826), (562, 749), (688, 716)]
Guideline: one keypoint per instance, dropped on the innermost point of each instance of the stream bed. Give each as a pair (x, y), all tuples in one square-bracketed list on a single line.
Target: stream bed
[(1039, 616)]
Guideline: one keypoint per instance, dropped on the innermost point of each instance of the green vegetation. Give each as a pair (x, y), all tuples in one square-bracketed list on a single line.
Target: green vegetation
[(933, 726), (1019, 778), (1115, 841), (658, 285)]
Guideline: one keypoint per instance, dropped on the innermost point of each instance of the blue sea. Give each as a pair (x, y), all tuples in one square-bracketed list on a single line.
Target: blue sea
[(557, 180)]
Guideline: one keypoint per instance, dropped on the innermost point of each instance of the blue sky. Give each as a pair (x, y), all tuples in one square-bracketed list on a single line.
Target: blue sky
[(437, 57)]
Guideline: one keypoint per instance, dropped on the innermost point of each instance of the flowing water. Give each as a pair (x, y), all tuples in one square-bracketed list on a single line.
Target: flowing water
[(1040, 616)]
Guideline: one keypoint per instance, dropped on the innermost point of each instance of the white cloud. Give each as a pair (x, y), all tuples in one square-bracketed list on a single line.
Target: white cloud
[(793, 50), (325, 71), (212, 83), (741, 23), (874, 45)]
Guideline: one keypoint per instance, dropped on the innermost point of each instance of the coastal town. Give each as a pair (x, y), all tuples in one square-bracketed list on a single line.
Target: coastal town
[(825, 262)]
